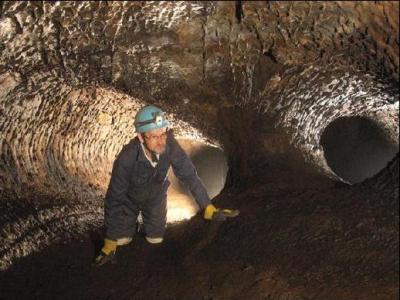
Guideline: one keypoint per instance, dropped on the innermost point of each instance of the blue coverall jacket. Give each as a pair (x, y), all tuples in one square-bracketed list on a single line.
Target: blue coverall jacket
[(136, 185)]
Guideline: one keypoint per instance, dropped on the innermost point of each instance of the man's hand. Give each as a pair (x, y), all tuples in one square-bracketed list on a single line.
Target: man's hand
[(217, 214)]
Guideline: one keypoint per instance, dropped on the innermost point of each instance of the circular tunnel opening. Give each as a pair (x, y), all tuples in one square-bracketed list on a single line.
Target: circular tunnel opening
[(356, 148), (212, 168)]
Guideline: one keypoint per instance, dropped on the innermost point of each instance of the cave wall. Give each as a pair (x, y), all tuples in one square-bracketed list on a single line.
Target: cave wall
[(72, 74), (309, 99), (68, 144)]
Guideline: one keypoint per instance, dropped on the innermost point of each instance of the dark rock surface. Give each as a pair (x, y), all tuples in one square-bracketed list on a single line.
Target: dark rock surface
[(291, 241)]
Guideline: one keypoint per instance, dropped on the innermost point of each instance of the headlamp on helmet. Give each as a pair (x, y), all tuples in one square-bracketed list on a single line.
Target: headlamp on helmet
[(150, 117)]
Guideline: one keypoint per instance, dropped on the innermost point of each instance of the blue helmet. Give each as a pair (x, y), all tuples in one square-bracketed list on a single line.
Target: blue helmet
[(148, 118)]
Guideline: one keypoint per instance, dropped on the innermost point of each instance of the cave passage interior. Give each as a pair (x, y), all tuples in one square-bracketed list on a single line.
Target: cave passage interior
[(288, 110), (356, 149)]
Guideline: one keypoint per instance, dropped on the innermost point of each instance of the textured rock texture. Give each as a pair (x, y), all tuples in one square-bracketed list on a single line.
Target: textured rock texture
[(302, 64), (261, 80)]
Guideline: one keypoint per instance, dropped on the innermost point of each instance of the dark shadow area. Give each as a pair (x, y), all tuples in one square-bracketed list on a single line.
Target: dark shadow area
[(356, 148), (241, 136)]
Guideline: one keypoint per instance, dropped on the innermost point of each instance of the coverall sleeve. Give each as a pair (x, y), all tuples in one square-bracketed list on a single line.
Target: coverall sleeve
[(186, 172), (120, 179)]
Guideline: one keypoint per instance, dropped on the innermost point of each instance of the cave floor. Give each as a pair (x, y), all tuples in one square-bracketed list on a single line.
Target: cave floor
[(290, 241)]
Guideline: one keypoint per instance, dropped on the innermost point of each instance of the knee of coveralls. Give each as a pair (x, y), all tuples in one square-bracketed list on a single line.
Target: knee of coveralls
[(120, 219), (154, 214)]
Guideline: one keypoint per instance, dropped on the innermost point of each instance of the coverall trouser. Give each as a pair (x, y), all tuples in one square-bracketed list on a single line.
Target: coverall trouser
[(120, 218)]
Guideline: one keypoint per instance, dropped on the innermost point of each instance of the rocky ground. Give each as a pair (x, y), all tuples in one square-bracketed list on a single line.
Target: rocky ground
[(298, 238)]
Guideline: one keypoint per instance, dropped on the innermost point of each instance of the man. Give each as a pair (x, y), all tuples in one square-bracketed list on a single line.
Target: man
[(139, 184)]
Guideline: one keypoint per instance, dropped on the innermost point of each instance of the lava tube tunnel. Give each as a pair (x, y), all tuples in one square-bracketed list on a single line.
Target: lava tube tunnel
[(288, 111), (356, 149)]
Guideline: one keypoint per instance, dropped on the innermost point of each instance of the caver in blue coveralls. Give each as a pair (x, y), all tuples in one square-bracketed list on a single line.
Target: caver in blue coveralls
[(136, 185)]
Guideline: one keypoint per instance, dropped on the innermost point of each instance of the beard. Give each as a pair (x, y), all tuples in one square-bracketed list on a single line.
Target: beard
[(159, 149)]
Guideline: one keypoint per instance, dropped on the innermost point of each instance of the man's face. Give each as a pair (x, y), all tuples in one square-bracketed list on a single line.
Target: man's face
[(155, 140)]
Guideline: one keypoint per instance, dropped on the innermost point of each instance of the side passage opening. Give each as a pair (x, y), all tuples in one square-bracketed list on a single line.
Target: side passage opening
[(356, 148), (211, 165)]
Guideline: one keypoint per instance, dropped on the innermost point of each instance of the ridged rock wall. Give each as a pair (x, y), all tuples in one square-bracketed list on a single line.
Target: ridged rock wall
[(307, 100), (62, 136)]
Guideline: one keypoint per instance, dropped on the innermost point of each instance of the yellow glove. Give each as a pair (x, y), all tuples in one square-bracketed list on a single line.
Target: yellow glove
[(109, 246), (209, 211), (216, 214)]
